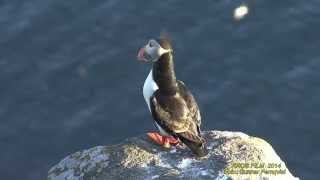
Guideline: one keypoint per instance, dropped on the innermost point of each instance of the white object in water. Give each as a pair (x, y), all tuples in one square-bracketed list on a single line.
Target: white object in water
[(240, 12)]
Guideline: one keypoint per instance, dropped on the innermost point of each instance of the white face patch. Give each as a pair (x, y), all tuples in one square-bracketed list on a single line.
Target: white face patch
[(153, 50)]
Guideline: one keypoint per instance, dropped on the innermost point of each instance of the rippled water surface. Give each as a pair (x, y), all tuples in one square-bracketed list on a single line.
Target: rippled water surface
[(69, 78)]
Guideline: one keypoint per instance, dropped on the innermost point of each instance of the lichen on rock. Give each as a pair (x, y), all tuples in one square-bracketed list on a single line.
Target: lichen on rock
[(232, 155), (135, 156), (81, 164)]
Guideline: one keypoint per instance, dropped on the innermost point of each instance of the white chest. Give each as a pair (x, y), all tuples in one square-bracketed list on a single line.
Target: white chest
[(149, 87)]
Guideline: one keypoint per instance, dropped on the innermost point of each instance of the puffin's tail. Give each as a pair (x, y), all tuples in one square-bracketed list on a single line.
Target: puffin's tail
[(199, 147)]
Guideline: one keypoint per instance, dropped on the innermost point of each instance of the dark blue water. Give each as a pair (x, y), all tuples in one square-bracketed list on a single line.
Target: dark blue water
[(69, 78)]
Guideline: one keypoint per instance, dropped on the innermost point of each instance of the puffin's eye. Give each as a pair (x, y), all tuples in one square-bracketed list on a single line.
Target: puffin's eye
[(150, 44)]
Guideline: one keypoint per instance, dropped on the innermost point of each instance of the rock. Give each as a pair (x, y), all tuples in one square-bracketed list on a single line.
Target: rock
[(232, 155)]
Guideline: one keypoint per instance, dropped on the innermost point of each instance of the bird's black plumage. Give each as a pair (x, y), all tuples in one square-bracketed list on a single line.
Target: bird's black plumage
[(173, 107)]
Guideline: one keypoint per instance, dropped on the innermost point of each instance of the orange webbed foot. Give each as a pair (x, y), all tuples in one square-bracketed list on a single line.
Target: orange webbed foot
[(165, 141)]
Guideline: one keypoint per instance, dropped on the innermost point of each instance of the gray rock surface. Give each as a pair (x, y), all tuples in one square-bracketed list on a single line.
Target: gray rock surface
[(233, 155)]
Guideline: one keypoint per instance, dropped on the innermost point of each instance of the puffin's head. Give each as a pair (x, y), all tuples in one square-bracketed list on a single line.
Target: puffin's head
[(154, 49)]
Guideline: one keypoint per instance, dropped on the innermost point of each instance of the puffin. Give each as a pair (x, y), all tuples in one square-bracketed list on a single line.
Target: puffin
[(173, 107)]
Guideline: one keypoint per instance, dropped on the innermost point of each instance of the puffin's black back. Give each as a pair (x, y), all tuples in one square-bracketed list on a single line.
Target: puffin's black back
[(164, 75)]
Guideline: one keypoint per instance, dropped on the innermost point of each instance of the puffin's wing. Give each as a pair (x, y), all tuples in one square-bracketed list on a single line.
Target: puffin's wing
[(173, 115), (191, 102), (170, 114)]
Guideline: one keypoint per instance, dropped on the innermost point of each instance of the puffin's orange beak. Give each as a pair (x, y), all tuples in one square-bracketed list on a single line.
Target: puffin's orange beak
[(140, 56)]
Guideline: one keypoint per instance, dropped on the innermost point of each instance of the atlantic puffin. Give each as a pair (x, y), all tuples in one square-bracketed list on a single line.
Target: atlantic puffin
[(173, 108)]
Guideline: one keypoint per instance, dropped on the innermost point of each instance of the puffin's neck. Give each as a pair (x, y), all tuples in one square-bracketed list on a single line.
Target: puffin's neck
[(164, 75)]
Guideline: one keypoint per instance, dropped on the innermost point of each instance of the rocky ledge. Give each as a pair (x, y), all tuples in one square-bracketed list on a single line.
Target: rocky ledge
[(232, 155)]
